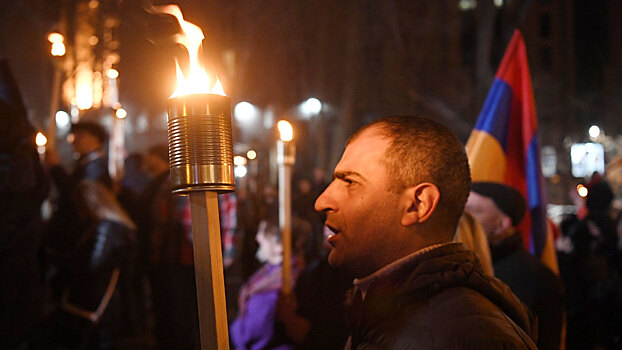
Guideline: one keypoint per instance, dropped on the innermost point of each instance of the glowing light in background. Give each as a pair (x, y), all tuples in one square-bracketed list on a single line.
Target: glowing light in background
[(286, 130), (40, 139), (112, 73), (93, 40), (62, 119), (467, 5), (251, 154), (121, 113), (239, 160), (586, 158), (310, 107), (58, 45), (594, 131), (240, 171), (245, 112), (84, 88), (582, 190)]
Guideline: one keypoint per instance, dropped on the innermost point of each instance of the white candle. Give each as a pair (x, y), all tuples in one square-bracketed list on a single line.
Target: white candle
[(286, 155)]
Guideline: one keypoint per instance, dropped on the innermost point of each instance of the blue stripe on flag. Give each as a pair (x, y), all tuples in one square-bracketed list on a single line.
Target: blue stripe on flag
[(494, 116), (535, 197)]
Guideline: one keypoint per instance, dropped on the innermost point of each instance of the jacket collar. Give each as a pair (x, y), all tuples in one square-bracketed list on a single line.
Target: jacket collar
[(364, 283), (420, 276)]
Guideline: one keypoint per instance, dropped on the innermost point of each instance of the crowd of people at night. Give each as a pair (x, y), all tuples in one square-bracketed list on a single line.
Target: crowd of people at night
[(400, 250)]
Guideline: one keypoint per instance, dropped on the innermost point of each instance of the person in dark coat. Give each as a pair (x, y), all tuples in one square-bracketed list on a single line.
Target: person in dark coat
[(166, 252), (393, 206), (24, 185), (314, 315), (89, 261), (88, 143), (500, 209), (589, 268)]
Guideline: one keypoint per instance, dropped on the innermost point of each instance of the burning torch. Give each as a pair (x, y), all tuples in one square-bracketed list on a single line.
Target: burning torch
[(41, 141), (285, 158), (116, 146), (201, 163)]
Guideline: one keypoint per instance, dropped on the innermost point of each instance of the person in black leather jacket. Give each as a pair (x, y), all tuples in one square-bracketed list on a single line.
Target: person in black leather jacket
[(393, 206), (89, 261)]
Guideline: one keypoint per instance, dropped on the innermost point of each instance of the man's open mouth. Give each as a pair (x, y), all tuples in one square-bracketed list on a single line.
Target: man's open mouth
[(330, 237)]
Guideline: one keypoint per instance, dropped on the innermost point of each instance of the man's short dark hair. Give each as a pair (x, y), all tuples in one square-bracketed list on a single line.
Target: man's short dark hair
[(422, 150), (92, 128)]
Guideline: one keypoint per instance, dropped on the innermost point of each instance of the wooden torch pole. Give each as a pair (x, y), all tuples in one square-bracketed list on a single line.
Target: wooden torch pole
[(209, 270), (285, 222)]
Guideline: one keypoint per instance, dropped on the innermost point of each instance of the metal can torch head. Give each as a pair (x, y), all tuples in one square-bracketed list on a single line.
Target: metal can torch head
[(200, 143)]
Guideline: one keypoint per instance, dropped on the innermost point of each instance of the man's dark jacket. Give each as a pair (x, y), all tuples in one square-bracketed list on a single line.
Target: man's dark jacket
[(534, 284), (440, 299)]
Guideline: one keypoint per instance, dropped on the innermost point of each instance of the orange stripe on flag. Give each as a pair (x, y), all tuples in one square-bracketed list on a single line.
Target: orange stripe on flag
[(486, 157)]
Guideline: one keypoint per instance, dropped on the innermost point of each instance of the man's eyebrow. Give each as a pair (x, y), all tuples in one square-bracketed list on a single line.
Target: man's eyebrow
[(341, 175)]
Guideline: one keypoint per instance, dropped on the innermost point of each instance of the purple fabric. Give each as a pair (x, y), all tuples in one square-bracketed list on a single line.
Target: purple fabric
[(255, 329)]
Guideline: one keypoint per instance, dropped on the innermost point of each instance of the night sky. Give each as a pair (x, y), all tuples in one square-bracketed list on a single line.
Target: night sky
[(363, 59)]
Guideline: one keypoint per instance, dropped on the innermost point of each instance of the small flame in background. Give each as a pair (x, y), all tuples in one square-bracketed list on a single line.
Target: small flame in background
[(286, 130), (197, 82), (40, 139)]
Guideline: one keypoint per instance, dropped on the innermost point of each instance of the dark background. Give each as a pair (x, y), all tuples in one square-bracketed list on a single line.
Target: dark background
[(362, 58)]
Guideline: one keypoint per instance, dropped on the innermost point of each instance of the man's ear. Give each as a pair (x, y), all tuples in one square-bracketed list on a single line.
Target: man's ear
[(420, 202), (505, 223)]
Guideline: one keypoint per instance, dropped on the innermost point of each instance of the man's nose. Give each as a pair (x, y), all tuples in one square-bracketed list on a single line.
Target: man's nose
[(325, 201)]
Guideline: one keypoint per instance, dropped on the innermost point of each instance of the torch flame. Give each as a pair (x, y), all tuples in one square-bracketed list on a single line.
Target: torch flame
[(40, 139), (198, 81), (286, 130)]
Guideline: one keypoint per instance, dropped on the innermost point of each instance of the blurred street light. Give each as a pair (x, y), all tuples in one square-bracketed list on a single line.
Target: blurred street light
[(594, 132), (239, 160), (245, 113), (62, 119), (121, 113), (582, 190), (240, 171), (112, 73), (310, 107), (251, 154)]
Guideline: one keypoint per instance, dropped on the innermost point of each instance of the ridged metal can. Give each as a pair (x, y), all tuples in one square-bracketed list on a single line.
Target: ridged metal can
[(199, 143)]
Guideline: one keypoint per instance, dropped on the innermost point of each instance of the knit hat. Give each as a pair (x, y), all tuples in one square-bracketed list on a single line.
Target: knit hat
[(506, 198)]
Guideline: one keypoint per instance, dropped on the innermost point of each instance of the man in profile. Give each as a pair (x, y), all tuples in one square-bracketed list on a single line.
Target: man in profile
[(397, 194)]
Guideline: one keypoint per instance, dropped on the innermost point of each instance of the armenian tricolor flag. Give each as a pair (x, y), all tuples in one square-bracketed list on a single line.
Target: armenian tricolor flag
[(503, 146)]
